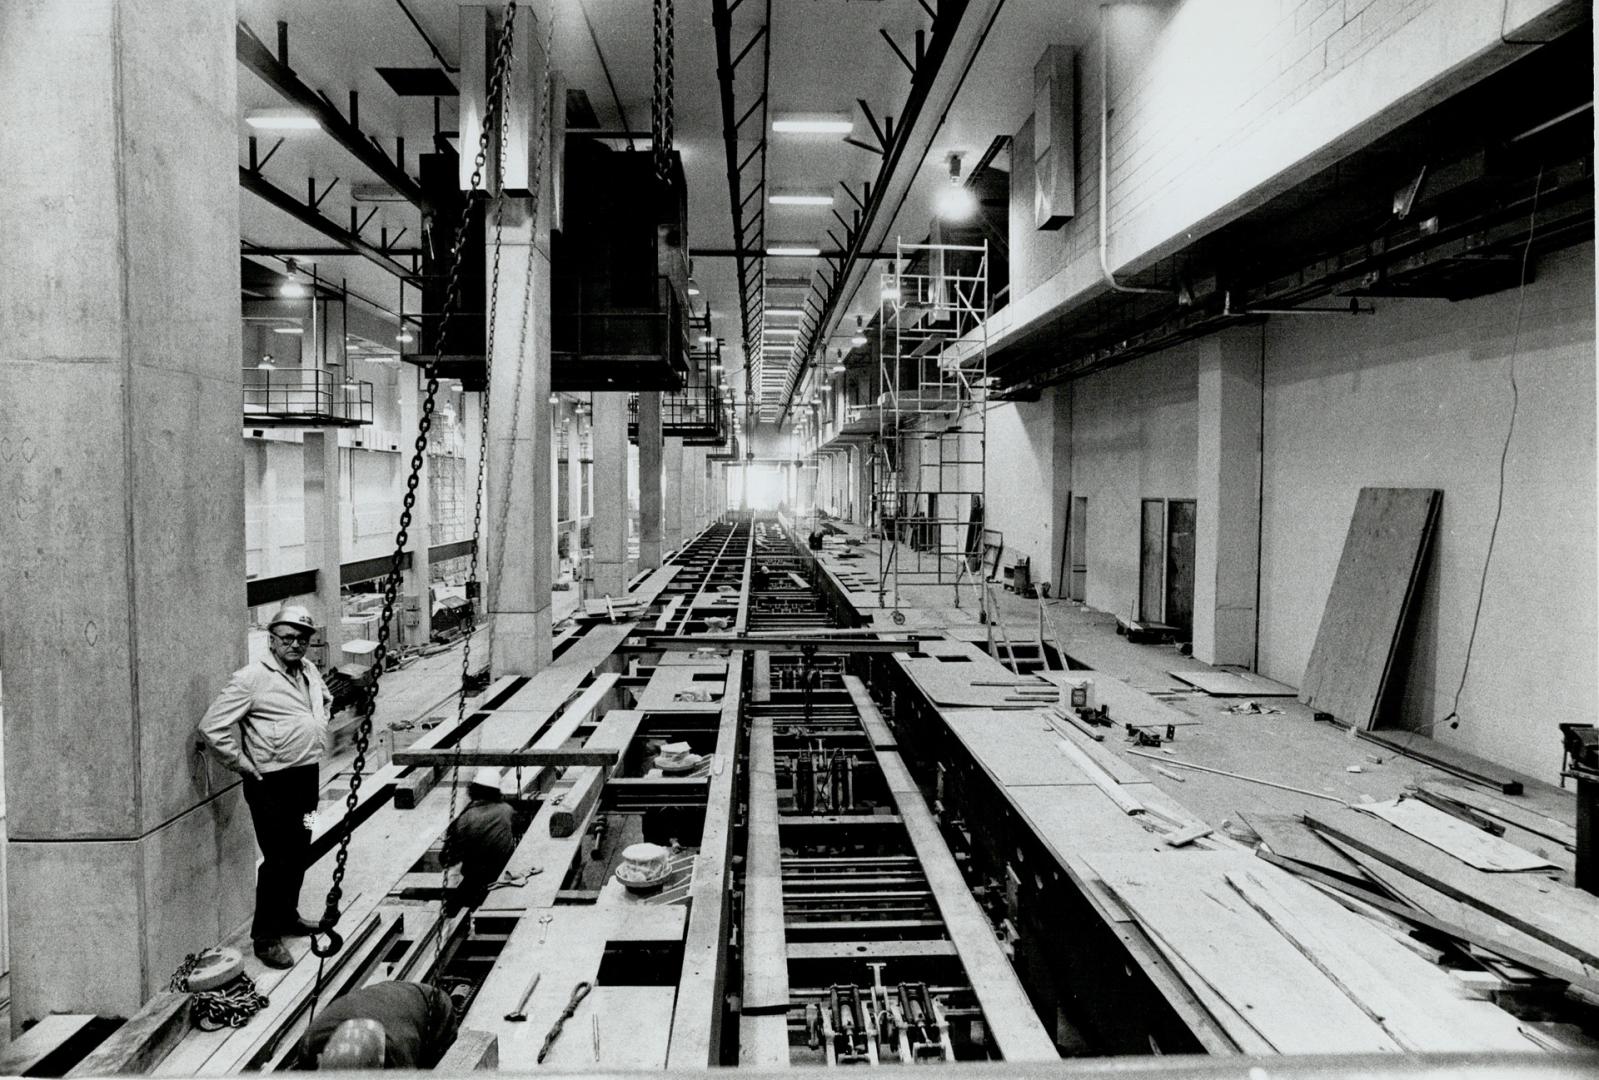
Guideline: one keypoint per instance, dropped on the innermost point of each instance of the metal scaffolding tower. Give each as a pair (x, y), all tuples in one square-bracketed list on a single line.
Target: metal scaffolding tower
[(932, 471)]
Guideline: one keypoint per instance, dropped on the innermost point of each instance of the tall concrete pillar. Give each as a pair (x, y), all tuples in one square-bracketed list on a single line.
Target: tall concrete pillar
[(574, 492), (1227, 525), (609, 528), (519, 457), (121, 469), (649, 480), (672, 495), (324, 533)]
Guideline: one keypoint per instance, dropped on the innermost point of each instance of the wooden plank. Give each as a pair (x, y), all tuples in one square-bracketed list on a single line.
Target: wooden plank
[(1289, 837), (1006, 1009), (1449, 834), (1371, 593), (1182, 899), (1233, 683), (40, 1041), (1525, 817), (1415, 1002), (877, 729), (762, 686), (472, 1050), (144, 1041), (1450, 759), (1553, 913), (561, 758), (1237, 1029), (1126, 800), (763, 1025), (570, 811)]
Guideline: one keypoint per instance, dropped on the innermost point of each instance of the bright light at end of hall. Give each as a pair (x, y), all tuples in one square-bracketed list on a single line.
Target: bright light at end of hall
[(813, 124), (282, 120)]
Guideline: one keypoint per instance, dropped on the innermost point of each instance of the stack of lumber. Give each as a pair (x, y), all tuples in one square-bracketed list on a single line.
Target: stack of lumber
[(1283, 968)]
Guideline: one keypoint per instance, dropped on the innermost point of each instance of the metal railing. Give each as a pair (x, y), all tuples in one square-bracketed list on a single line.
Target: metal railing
[(304, 397)]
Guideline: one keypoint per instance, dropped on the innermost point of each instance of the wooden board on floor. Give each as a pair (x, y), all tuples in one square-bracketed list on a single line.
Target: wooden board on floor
[(1218, 683), (1289, 837), (1453, 836), (1553, 913), (40, 1041), (1371, 593), (1528, 817), (877, 729), (1181, 898)]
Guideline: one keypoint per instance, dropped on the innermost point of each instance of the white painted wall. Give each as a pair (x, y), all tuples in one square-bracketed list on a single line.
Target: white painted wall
[(1021, 479), (1134, 437), (1419, 396)]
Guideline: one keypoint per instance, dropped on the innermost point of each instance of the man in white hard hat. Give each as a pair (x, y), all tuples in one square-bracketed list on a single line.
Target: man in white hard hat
[(270, 725), (481, 839)]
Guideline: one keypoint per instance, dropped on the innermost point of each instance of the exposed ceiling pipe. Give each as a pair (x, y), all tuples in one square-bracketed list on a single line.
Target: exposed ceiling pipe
[(1354, 307), (1104, 165), (453, 69), (255, 56)]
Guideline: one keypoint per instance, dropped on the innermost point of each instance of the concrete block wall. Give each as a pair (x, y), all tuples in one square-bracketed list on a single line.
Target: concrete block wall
[(1220, 105), (1021, 477), (1416, 396)]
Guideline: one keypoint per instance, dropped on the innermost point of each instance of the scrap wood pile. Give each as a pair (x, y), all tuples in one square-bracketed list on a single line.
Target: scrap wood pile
[(1443, 920)]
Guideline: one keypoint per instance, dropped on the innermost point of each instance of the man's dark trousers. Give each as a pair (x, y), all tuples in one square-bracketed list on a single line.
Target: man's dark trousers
[(279, 803)]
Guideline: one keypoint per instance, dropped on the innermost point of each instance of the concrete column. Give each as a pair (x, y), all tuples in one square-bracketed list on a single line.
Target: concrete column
[(649, 480), (121, 468), (324, 530), (574, 492), (519, 457), (672, 494), (1227, 525), (609, 529), (415, 583)]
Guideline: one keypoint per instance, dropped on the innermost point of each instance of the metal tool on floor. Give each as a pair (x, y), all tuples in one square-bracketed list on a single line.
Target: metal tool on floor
[(579, 992), (544, 926), (521, 1006)]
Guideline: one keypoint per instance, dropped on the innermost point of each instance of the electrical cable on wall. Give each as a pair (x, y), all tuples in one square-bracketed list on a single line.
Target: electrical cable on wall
[(1453, 719)]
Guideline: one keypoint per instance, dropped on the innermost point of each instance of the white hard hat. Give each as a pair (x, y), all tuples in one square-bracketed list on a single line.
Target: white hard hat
[(292, 615), (487, 776)]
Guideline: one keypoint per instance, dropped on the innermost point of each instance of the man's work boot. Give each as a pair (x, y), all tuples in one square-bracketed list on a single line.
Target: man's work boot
[(272, 953)]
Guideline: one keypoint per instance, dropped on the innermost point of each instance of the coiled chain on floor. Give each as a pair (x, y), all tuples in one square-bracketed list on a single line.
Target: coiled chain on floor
[(229, 1005)]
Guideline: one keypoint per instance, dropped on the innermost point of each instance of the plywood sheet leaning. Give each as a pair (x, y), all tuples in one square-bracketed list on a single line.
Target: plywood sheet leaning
[(1352, 659), (1450, 834), (1553, 913)]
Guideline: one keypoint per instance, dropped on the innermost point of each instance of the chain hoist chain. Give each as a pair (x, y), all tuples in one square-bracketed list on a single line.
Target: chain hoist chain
[(229, 1005), (661, 122), (327, 942)]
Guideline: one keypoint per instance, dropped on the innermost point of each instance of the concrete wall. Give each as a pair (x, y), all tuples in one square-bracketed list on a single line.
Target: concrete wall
[(1420, 396), (1134, 436), (1416, 396), (1021, 478)]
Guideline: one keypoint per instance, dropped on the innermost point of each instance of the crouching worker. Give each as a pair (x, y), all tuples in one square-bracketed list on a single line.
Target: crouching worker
[(389, 1025), (481, 840)]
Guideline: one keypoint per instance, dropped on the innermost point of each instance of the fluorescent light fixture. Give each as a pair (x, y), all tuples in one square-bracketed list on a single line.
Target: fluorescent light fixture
[(716, 367), (794, 250), (375, 192), (404, 337), (890, 291), (838, 369), (707, 339), (282, 120), (266, 364), (455, 384), (292, 289), (288, 329), (555, 399), (693, 290), (783, 330), (800, 199), (390, 359), (956, 203), (813, 124), (794, 311)]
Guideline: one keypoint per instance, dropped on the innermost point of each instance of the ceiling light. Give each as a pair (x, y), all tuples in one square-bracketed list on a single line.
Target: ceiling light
[(793, 250), (814, 124), (281, 120), (890, 291), (838, 369), (555, 399), (858, 340), (292, 289), (693, 290), (390, 359), (716, 367), (455, 384), (796, 199), (375, 192), (266, 363), (404, 337), (288, 329), (956, 202), (794, 311), (783, 330), (706, 339)]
